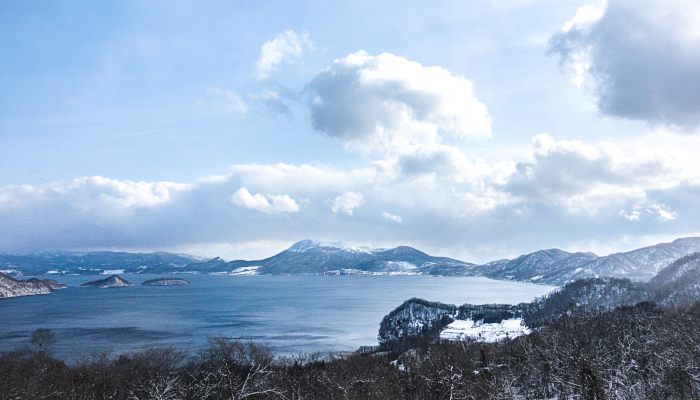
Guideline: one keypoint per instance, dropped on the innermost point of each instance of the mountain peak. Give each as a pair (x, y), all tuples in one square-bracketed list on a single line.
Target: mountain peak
[(552, 251), (687, 240), (310, 244), (305, 244)]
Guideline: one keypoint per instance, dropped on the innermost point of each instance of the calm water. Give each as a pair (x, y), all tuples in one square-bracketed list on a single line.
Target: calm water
[(290, 313)]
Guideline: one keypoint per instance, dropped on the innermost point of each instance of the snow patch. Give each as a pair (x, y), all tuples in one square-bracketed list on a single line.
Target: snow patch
[(353, 271), (308, 244), (481, 332), (397, 266), (245, 271), (112, 272)]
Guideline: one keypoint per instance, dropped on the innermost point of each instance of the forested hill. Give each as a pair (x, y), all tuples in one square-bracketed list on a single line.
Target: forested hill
[(676, 286)]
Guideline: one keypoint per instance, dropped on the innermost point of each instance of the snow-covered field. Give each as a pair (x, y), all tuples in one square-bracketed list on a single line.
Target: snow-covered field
[(352, 271), (245, 271), (112, 272), (469, 329)]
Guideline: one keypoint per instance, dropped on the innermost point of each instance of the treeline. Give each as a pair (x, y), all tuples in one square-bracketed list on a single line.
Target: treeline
[(629, 353)]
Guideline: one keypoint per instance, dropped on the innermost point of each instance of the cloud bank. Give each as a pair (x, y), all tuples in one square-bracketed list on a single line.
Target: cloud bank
[(599, 189), (640, 57), (267, 204)]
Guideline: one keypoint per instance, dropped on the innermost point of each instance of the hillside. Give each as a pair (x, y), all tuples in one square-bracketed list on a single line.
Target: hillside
[(558, 267), (677, 286)]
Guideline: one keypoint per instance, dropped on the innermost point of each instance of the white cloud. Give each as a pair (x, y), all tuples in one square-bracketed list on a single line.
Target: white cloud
[(283, 47), (443, 160), (229, 99), (663, 212), (347, 202), (95, 192), (304, 178), (392, 217), (640, 57), (388, 104), (273, 100), (267, 204), (659, 211), (633, 215)]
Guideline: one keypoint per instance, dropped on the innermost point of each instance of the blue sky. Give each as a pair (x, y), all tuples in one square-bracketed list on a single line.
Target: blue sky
[(473, 129)]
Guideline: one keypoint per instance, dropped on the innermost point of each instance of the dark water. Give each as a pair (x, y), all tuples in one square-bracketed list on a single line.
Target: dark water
[(289, 313)]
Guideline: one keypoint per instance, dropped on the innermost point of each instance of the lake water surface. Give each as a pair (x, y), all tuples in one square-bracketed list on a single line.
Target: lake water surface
[(289, 313)]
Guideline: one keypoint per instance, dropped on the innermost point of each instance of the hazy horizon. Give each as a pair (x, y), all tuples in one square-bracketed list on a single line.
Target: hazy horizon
[(234, 256)]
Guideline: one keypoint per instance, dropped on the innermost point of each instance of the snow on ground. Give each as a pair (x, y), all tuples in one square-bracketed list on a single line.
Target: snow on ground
[(399, 266), (10, 271), (352, 271), (481, 332), (245, 271), (112, 272)]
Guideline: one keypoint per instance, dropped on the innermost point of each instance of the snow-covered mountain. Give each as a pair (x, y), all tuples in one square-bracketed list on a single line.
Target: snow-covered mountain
[(641, 264), (11, 287), (558, 267), (679, 283), (535, 266), (550, 266), (313, 257)]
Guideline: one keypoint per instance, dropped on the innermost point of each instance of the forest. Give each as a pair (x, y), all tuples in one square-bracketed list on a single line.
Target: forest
[(631, 352)]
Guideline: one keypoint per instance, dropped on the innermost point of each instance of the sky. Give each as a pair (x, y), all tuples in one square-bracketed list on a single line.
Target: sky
[(478, 130)]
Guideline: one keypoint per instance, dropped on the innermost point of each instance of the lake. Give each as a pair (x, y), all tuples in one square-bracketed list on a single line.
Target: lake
[(290, 313)]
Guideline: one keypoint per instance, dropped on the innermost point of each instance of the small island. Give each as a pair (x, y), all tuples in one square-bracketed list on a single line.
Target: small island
[(166, 282), (11, 287), (110, 282)]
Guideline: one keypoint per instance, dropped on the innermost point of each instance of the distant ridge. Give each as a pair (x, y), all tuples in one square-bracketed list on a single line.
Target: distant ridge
[(549, 266), (558, 267), (311, 257), (93, 262)]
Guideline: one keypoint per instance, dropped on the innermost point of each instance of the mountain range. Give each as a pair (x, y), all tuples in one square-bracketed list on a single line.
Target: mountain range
[(92, 263), (554, 266), (313, 257), (550, 266)]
